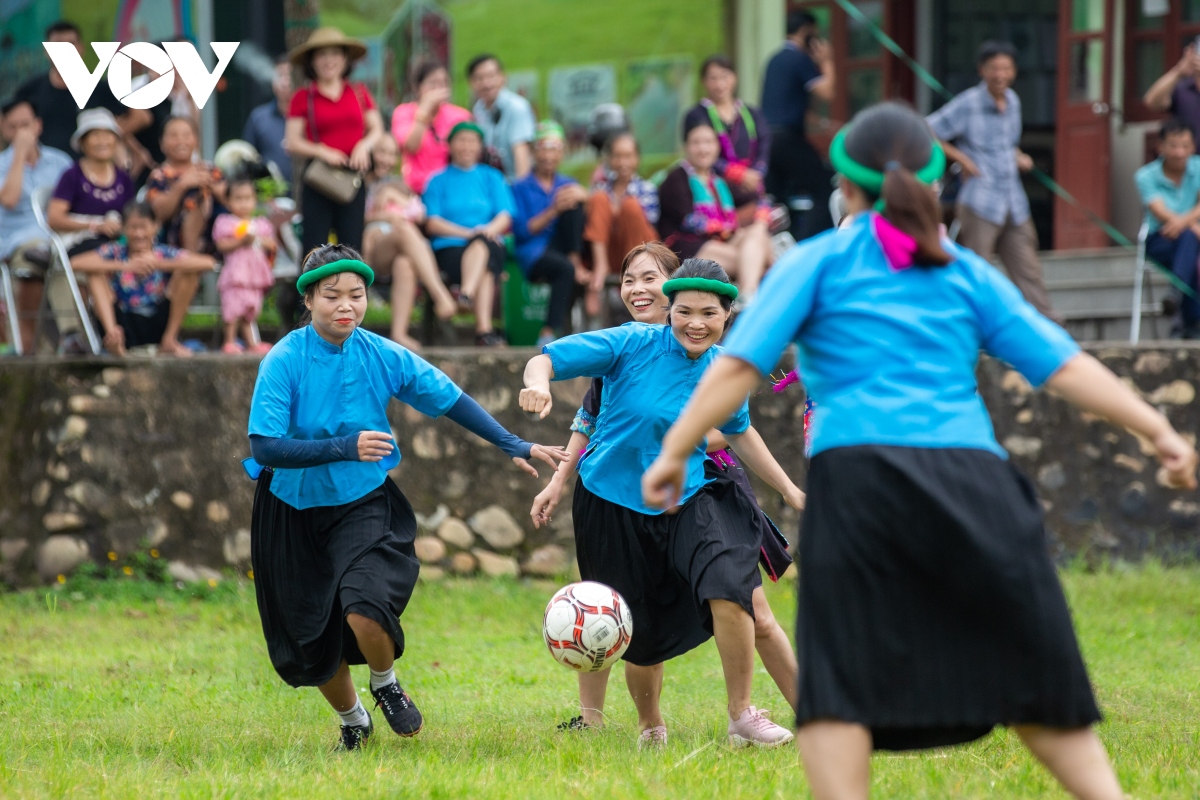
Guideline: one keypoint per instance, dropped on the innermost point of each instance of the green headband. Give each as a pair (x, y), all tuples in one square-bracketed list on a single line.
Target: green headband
[(464, 126), (700, 285), (333, 268), (871, 180)]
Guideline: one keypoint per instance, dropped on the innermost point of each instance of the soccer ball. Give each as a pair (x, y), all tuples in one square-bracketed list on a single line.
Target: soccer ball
[(587, 626)]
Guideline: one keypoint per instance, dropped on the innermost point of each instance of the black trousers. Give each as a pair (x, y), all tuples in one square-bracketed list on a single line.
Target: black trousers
[(555, 267), (796, 168), (321, 215)]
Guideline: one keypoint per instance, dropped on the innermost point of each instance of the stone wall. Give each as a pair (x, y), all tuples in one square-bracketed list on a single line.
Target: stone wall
[(101, 457)]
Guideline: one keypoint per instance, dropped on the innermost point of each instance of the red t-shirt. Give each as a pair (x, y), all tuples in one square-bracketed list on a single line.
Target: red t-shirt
[(341, 123)]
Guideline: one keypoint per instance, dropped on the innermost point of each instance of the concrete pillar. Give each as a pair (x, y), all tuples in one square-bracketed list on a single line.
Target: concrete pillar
[(758, 33)]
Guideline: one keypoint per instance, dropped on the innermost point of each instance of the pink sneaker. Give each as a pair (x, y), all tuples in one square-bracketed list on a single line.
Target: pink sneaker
[(653, 738), (754, 728), (262, 348), (232, 349)]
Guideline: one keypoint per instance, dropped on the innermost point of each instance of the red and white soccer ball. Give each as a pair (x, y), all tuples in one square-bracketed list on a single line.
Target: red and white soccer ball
[(587, 626)]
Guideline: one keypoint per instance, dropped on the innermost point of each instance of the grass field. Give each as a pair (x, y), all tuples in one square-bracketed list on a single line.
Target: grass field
[(128, 689)]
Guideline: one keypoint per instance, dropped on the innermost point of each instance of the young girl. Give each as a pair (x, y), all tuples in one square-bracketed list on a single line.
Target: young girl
[(686, 576), (643, 272), (332, 536), (929, 608), (248, 242), (181, 190)]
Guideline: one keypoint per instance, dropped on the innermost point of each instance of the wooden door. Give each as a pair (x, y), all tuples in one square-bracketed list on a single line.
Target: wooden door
[(1082, 143)]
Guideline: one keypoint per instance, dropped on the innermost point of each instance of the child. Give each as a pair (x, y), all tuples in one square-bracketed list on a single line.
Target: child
[(248, 243), (141, 290), (181, 191)]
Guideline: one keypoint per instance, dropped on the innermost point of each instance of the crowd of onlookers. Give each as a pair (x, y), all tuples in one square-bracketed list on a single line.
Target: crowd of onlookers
[(439, 197)]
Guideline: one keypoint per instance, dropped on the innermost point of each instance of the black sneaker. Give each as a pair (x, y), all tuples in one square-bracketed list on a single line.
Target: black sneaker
[(574, 724), (490, 339), (399, 710), (355, 736)]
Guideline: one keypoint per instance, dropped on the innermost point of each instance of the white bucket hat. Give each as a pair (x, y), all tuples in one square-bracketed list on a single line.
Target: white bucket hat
[(94, 119)]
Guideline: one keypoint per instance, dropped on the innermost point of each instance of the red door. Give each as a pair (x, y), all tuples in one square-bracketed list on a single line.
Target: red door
[(1082, 146)]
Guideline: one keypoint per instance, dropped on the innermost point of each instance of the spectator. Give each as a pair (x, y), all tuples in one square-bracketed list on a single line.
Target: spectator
[(742, 131), (470, 209), (981, 130), (699, 215), (384, 159), (398, 252), (141, 290), (548, 227), (182, 191), (505, 117), (338, 123), (26, 166), (803, 68), (1170, 191), (1178, 92), (248, 244), (621, 213), (85, 209), (422, 127), (265, 126)]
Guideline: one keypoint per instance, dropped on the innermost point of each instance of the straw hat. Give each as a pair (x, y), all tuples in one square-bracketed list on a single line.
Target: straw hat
[(327, 37), (94, 119)]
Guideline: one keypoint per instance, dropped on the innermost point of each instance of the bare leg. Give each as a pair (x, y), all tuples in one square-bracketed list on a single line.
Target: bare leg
[(724, 254), (416, 247), (484, 301), (1076, 758), (339, 692), (752, 258), (645, 687), (374, 642), (734, 631), (474, 268), (180, 291), (28, 300), (837, 759), (231, 332), (102, 301), (404, 287), (775, 650), (192, 228), (593, 686)]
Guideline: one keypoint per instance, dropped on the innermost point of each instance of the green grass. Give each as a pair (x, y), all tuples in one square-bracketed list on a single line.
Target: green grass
[(128, 689)]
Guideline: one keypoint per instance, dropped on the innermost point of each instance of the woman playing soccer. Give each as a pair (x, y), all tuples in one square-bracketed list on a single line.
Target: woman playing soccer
[(332, 536), (929, 609), (643, 272), (685, 576)]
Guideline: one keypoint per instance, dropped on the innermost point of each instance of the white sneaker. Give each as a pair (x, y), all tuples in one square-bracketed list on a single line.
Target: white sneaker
[(653, 738), (754, 728)]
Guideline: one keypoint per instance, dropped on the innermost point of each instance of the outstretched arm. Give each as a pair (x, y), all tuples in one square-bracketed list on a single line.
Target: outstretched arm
[(548, 499), (753, 452), (469, 414)]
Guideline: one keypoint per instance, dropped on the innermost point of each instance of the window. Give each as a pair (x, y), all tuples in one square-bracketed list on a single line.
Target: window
[(1153, 44)]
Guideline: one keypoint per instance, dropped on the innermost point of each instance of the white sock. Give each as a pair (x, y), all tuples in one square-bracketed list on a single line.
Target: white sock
[(356, 716), (381, 679)]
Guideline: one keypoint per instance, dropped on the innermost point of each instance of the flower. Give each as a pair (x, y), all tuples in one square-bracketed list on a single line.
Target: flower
[(127, 570), (153, 553), (250, 574), (62, 578), (112, 556), (212, 582)]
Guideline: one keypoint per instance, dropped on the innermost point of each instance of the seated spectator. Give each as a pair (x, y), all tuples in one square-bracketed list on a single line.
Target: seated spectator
[(621, 213), (85, 209), (1170, 191), (248, 244), (506, 118), (141, 290), (742, 131), (265, 126), (699, 216), (398, 252), (26, 166), (182, 191), (548, 227), (470, 210), (384, 158), (422, 128)]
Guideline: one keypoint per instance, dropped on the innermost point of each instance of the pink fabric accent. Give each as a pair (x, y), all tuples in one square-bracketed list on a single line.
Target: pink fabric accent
[(898, 247), (788, 380)]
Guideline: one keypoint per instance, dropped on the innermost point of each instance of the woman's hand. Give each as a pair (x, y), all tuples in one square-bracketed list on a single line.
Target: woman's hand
[(1178, 459), (360, 157), (752, 180), (794, 497), (551, 455), (431, 101), (109, 227), (332, 157), (374, 445), (536, 400), (662, 484), (547, 500)]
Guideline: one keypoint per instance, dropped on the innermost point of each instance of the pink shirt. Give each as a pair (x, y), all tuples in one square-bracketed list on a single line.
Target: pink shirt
[(434, 153)]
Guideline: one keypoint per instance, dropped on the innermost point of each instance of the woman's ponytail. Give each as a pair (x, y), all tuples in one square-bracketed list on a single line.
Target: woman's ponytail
[(913, 208)]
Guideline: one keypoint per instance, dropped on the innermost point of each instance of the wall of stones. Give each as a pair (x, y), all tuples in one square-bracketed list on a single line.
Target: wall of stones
[(102, 457)]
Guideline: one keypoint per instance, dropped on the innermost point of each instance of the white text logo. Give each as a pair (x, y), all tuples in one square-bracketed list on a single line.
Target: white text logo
[(181, 56)]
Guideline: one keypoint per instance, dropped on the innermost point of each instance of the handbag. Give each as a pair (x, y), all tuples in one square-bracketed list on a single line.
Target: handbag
[(338, 184)]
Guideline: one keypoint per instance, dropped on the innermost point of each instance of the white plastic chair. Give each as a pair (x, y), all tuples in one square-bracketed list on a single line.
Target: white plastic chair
[(1139, 285), (10, 308), (60, 260)]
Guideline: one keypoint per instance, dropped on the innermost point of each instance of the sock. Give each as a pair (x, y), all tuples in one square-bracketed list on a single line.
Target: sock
[(381, 679), (356, 716)]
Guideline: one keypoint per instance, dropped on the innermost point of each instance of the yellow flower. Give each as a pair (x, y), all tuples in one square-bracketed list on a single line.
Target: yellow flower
[(127, 570), (250, 574), (212, 582), (62, 578), (112, 556), (153, 553)]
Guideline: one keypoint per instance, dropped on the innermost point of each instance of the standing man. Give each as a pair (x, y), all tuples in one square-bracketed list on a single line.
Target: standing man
[(506, 118), (981, 130), (26, 166), (803, 67), (1178, 93), (264, 127)]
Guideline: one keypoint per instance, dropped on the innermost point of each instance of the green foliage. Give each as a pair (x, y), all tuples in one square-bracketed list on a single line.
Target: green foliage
[(108, 692)]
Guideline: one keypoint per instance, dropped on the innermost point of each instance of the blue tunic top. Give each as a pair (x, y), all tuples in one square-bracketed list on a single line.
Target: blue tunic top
[(648, 379), (889, 356), (308, 388)]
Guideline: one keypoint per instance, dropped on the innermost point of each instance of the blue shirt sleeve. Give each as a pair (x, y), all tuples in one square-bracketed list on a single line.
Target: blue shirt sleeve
[(303, 453), (594, 354), (271, 405), (772, 319), (525, 203), (433, 196), (416, 382), (1014, 331), (950, 121)]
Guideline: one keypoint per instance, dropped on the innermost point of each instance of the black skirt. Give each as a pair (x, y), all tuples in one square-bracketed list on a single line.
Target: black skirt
[(774, 553), (930, 611), (314, 566), (668, 566)]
